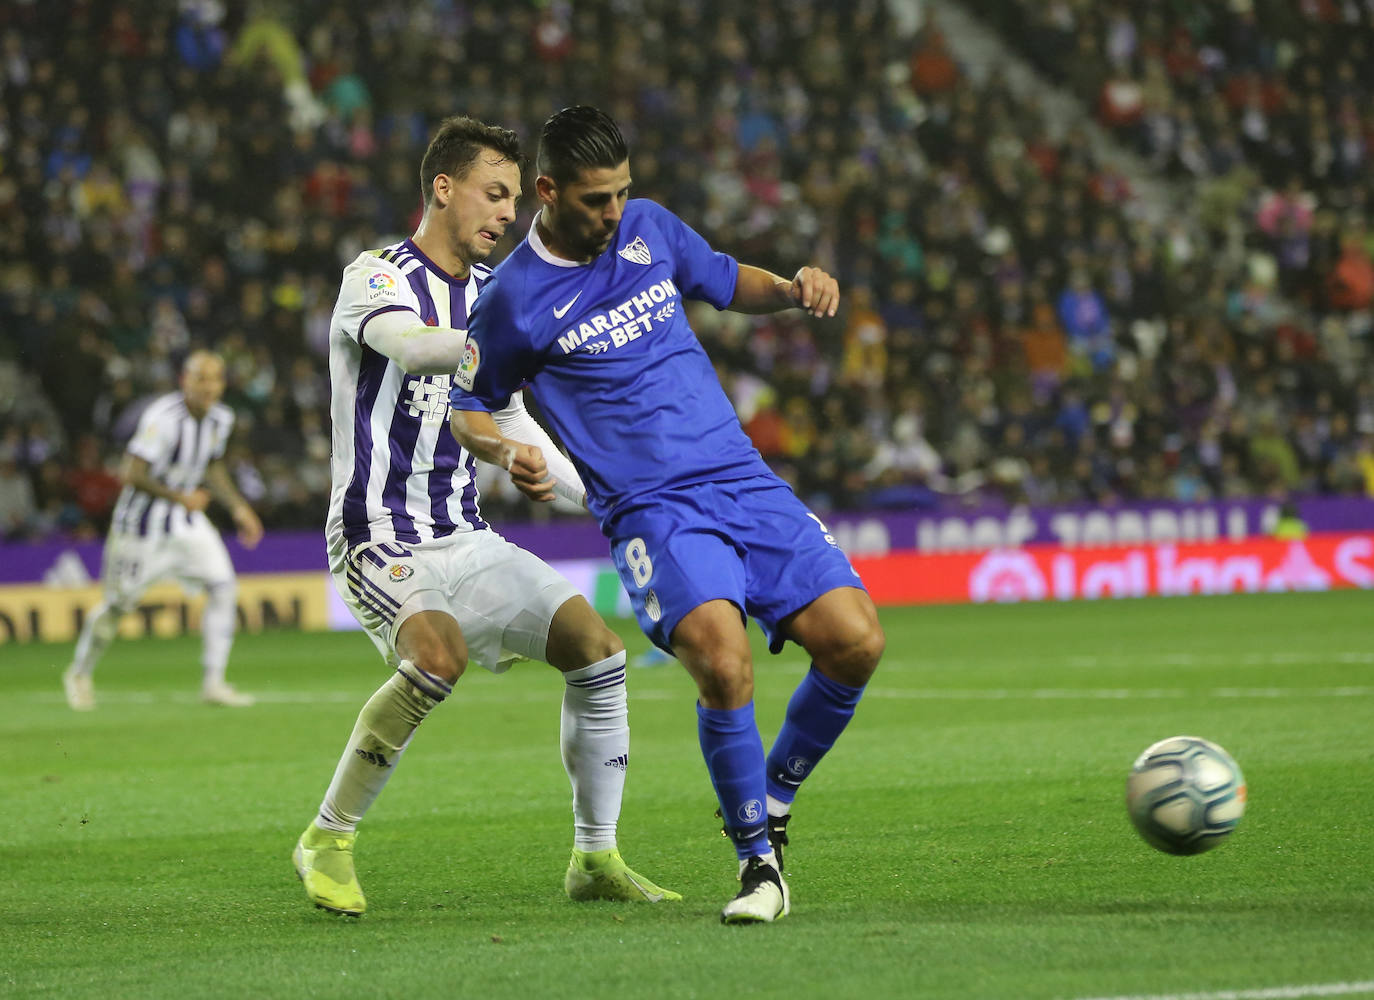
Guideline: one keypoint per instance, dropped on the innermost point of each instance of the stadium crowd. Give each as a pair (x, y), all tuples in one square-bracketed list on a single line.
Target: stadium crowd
[(1014, 326)]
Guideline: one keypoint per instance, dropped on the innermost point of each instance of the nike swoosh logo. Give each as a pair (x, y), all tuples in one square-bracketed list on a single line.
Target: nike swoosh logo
[(653, 897), (559, 313)]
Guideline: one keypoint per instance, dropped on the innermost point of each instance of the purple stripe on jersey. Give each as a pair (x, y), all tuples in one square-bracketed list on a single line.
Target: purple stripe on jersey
[(448, 457), (142, 528), (176, 452), (120, 515), (219, 442), (198, 437), (405, 429), (471, 514), (371, 368), (421, 287)]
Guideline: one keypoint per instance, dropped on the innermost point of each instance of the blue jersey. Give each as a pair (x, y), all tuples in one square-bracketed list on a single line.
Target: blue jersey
[(607, 351)]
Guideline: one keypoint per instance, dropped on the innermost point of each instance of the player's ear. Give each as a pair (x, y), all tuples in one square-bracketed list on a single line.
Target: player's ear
[(443, 189), (546, 189)]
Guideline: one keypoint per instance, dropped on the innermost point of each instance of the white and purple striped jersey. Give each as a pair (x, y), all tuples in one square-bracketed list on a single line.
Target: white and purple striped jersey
[(399, 474), (178, 448)]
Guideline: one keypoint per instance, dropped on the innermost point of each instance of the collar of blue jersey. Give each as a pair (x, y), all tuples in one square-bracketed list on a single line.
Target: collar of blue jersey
[(455, 282), (545, 254)]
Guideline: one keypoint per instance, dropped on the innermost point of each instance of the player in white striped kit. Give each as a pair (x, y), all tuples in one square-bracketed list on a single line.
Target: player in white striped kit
[(159, 530), (431, 583)]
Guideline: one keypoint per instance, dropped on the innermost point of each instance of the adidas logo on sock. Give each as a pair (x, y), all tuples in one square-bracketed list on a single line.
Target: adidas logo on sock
[(372, 757), (622, 762)]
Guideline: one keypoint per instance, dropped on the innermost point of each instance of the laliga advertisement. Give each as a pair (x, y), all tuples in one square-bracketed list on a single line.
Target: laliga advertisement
[(1056, 573), (52, 607)]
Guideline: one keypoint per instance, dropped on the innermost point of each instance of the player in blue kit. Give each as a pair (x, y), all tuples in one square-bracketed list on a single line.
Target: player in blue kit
[(588, 312)]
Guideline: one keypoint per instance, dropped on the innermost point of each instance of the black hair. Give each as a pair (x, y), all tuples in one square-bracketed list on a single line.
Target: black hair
[(576, 139), (455, 147)]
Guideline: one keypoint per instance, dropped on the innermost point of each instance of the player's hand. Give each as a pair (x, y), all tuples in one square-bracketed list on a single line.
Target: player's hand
[(528, 472), (197, 499), (816, 292), (250, 528)]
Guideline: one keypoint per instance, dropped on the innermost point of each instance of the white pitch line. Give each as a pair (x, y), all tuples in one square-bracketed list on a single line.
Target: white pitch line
[(1096, 661), (1272, 658), (1111, 694), (496, 696), (278, 697), (1267, 993)]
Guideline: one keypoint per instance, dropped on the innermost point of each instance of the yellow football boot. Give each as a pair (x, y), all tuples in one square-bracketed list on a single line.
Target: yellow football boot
[(324, 864), (604, 875)]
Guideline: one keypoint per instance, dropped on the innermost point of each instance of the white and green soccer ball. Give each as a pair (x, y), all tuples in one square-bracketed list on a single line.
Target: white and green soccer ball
[(1185, 795)]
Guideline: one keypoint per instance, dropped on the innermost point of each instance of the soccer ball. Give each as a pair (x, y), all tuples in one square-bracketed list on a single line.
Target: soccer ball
[(1185, 795)]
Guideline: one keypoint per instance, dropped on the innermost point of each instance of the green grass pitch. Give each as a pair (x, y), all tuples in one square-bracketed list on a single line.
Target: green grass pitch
[(967, 838)]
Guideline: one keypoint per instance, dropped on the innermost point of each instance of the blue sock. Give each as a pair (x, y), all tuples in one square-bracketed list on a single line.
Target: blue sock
[(818, 712), (734, 757)]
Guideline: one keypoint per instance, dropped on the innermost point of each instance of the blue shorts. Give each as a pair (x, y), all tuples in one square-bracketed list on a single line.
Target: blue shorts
[(750, 541)]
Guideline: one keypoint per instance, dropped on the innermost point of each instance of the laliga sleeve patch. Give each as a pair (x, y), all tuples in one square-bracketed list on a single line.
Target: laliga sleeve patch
[(467, 368), (147, 438), (382, 286)]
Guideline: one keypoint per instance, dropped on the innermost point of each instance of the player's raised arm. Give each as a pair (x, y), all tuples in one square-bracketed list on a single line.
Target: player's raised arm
[(415, 347), (515, 423), (761, 291), (476, 431), (538, 470)]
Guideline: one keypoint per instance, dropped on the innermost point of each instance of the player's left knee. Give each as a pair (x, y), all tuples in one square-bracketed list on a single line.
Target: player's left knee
[(222, 590), (851, 657), (601, 644)]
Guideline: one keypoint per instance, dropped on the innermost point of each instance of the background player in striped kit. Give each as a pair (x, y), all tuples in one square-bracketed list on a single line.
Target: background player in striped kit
[(433, 586), (159, 529)]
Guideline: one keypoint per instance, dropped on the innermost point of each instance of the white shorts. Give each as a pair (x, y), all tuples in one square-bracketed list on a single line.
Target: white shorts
[(194, 555), (502, 597)]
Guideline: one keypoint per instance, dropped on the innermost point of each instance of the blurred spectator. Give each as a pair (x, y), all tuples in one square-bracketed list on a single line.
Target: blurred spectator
[(93, 486), (1364, 462), (18, 508), (1084, 317), (201, 182), (1351, 285)]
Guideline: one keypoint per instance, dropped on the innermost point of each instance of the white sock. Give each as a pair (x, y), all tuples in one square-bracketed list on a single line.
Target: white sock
[(382, 733), (595, 737), (96, 635), (777, 807), (217, 625)]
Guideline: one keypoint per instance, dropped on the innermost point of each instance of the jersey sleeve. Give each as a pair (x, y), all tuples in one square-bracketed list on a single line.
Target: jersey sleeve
[(498, 359), (153, 439), (371, 286), (700, 272)]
